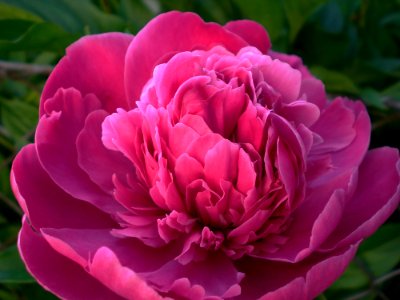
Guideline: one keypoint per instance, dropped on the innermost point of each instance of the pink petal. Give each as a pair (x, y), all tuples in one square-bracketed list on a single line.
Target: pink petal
[(166, 31), (216, 274), (56, 146), (313, 90), (293, 60), (56, 273), (97, 161), (52, 208), (80, 245), (106, 267), (252, 32), (221, 163), (101, 55), (301, 112), (305, 280), (375, 199), (335, 126)]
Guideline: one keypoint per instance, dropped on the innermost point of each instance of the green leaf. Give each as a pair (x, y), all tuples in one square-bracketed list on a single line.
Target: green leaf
[(298, 12), (372, 98), (352, 279), (334, 81), (11, 30), (269, 13), (393, 91), (12, 12), (381, 251), (11, 267), (39, 36), (19, 118), (72, 15)]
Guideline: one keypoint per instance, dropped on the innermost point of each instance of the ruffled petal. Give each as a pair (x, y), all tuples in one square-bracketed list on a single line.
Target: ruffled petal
[(102, 55), (54, 208), (252, 32), (57, 273), (375, 199), (269, 280), (97, 161), (55, 138), (166, 31)]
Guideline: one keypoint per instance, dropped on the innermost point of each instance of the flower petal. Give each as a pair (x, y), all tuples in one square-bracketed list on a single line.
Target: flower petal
[(252, 32), (55, 143), (375, 199), (56, 273), (269, 280), (166, 31), (93, 64), (54, 208), (97, 161)]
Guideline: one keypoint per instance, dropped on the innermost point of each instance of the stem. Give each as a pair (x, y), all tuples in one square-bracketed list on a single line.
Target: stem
[(29, 69)]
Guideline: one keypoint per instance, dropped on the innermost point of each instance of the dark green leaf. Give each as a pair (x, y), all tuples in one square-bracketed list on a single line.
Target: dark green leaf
[(393, 91), (12, 12), (72, 15), (298, 12), (269, 13), (382, 250), (353, 278), (11, 267), (372, 98), (19, 118), (40, 36), (335, 82)]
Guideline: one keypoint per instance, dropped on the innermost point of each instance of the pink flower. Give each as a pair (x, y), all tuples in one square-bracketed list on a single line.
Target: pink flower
[(192, 162)]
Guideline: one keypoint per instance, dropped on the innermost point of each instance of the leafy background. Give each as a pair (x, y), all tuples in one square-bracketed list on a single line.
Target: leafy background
[(353, 46)]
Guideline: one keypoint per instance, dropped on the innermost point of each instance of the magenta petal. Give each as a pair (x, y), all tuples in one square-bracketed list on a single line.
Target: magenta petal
[(252, 32), (94, 64), (335, 126), (107, 269), (56, 273), (55, 138), (80, 245), (216, 274), (301, 112), (221, 163), (304, 280), (54, 208), (166, 31), (375, 199), (98, 162)]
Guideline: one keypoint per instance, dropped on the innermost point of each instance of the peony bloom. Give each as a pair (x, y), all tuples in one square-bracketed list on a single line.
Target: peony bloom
[(192, 162)]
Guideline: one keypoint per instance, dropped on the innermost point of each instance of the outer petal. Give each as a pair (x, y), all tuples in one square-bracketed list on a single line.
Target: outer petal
[(252, 32), (56, 273), (268, 280), (56, 145), (98, 162), (80, 245), (54, 207), (215, 275), (376, 197), (121, 280), (93, 64), (163, 37)]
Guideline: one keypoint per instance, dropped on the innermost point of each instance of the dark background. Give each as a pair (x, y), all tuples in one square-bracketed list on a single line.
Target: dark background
[(353, 46)]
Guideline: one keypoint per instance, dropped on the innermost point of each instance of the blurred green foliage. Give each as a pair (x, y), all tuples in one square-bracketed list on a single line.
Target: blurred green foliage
[(353, 46)]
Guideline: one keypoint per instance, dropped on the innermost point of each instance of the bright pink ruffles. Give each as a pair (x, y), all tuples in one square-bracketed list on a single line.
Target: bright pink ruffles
[(192, 162)]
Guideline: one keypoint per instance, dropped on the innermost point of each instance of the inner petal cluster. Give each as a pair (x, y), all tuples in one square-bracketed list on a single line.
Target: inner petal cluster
[(217, 165)]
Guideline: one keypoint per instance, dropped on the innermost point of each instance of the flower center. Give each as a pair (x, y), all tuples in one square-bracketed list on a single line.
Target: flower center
[(223, 169)]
